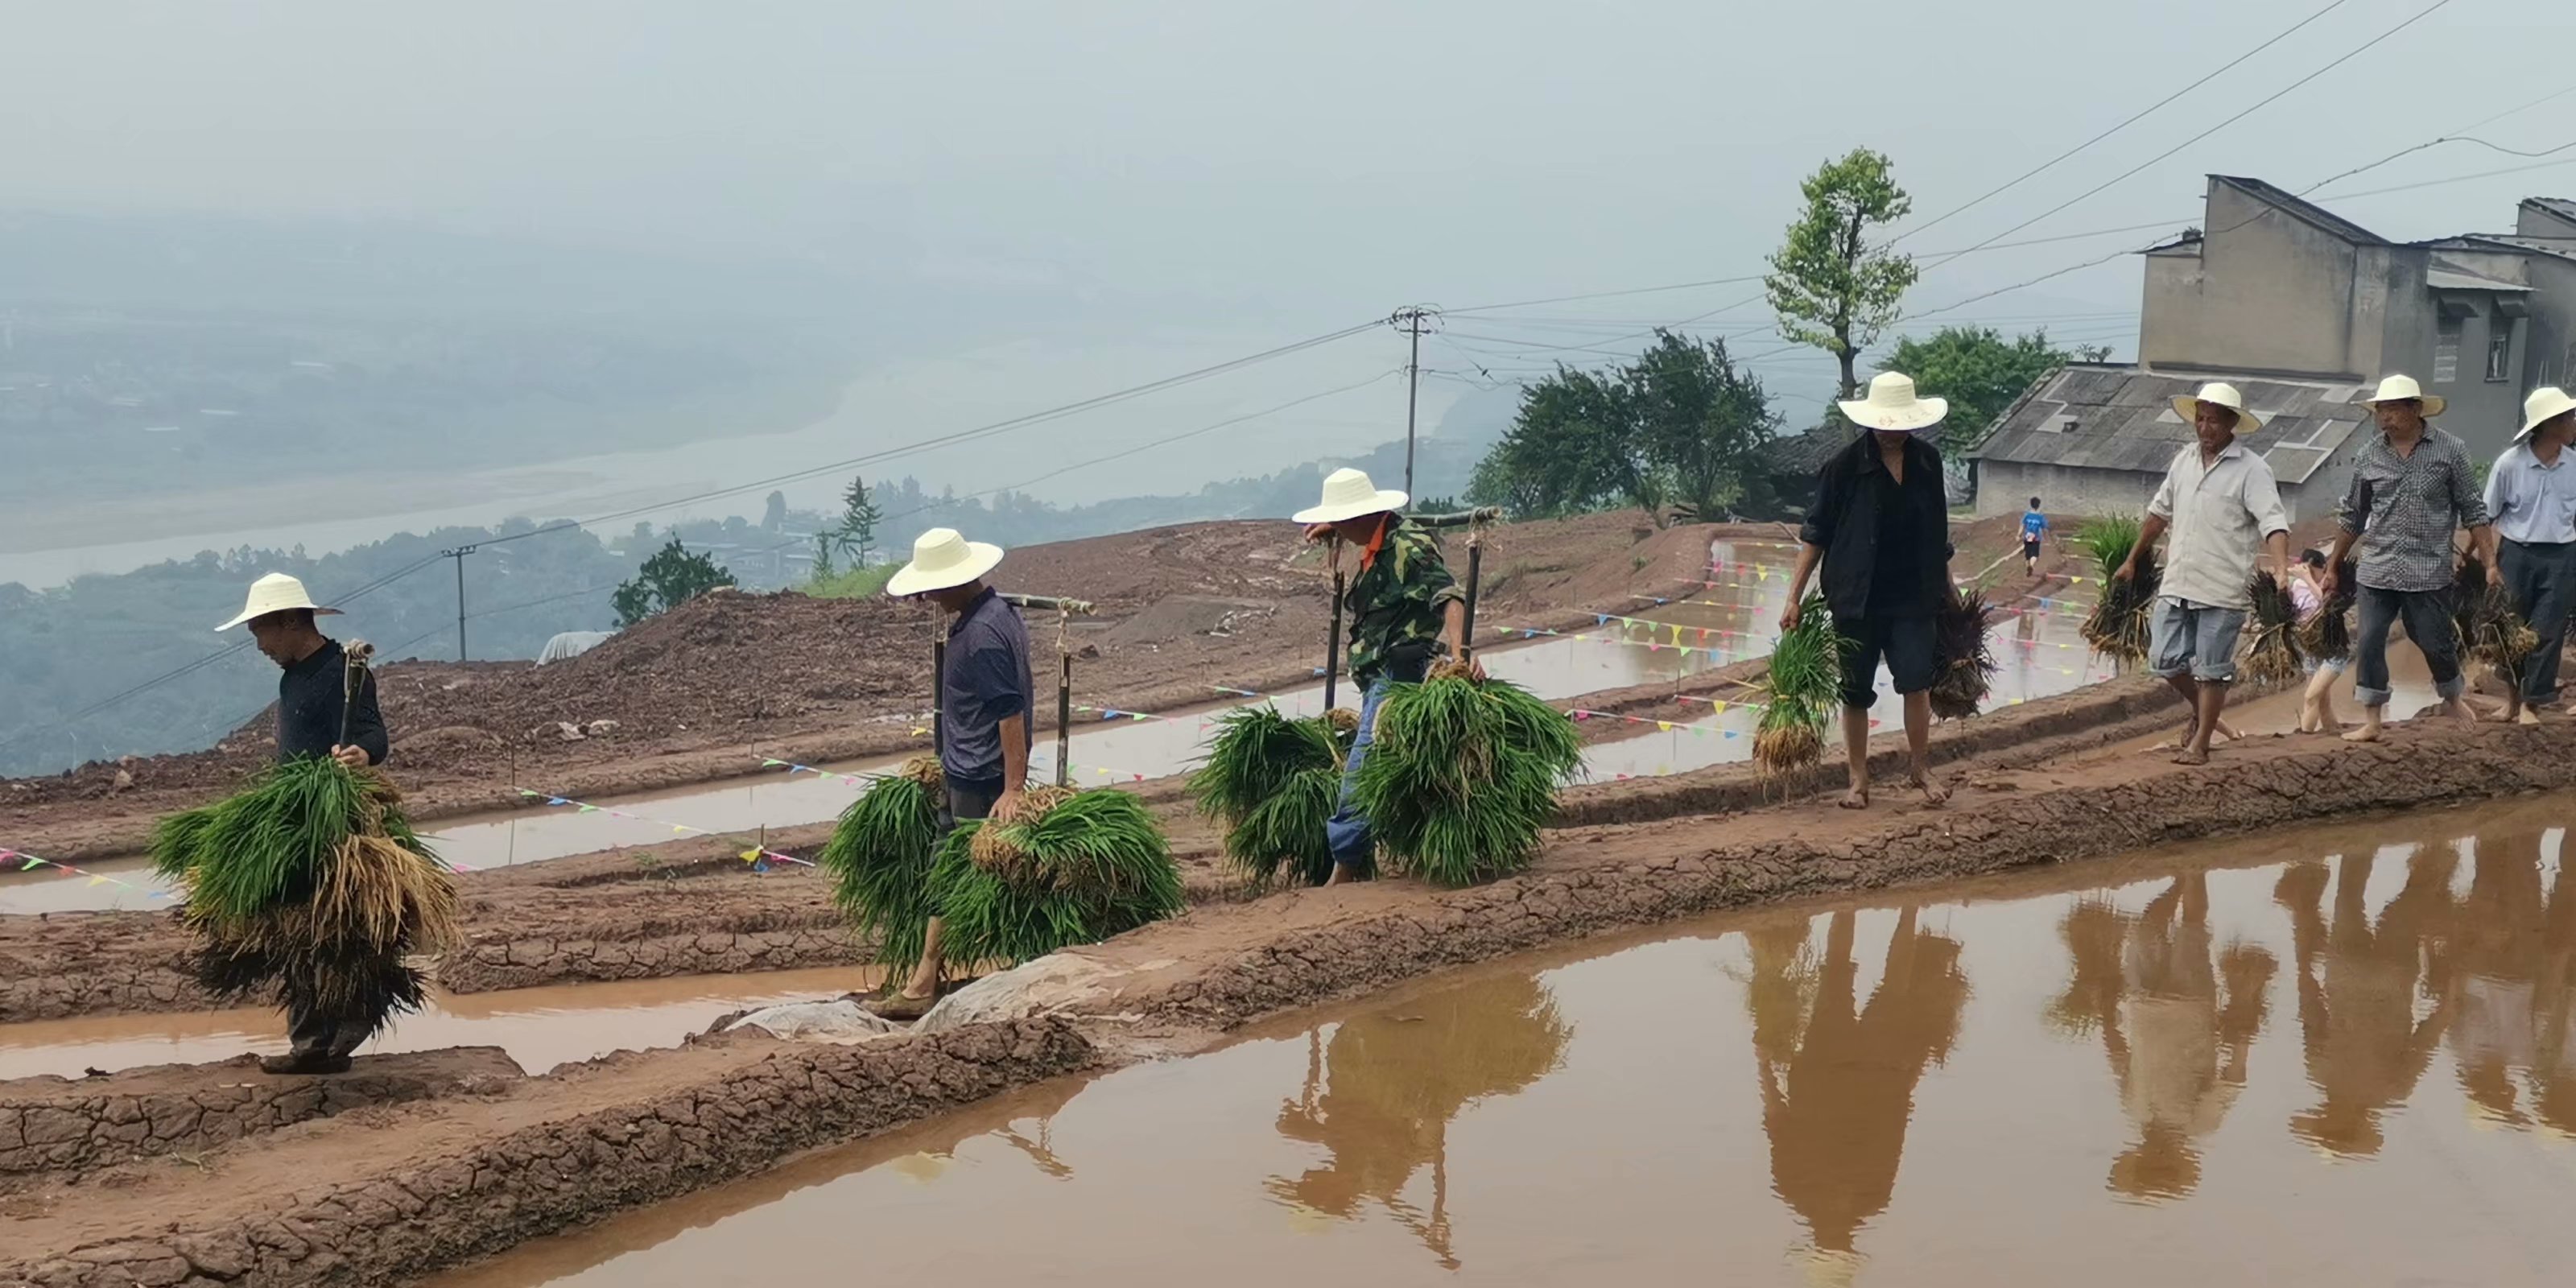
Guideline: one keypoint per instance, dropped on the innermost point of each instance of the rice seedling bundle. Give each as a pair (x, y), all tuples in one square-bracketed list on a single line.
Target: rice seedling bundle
[(1461, 773), (1803, 688), (1967, 660), (1274, 781), (2327, 636), (1074, 868), (2273, 655), (2119, 626), (2491, 627), (879, 859), (309, 888)]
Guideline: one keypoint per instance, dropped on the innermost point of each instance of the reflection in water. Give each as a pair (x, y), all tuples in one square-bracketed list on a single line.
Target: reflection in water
[(2149, 988), (2516, 952), (1379, 1095), (2358, 981), (1838, 1077)]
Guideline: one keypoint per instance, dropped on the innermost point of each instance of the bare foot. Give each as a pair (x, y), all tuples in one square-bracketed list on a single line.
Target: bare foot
[(2192, 756), (1856, 798), (2368, 732), (2458, 710), (2527, 717), (1934, 794), (2229, 732)]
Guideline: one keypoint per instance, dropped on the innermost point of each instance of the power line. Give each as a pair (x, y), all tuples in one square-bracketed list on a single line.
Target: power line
[(2150, 110)]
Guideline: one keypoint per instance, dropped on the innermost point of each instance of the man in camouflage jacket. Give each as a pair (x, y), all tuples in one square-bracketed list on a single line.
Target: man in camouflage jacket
[(1404, 610)]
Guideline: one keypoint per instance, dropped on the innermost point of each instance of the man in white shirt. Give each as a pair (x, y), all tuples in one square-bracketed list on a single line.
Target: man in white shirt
[(2531, 499), (2220, 502)]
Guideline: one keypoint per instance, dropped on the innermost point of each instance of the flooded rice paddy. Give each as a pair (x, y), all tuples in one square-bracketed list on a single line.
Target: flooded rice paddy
[(2338, 1055), (538, 1027)]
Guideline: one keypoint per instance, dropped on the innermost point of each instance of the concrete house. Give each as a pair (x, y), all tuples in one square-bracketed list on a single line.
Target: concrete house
[(2304, 310)]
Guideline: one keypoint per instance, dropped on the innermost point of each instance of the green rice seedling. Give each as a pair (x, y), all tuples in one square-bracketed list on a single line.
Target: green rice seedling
[(1263, 778), (1967, 661), (2119, 625), (1095, 864), (2272, 656), (1802, 687), (879, 859), (1461, 774)]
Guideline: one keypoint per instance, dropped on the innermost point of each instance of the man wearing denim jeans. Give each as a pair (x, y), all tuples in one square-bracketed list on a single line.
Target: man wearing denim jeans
[(2531, 495), (2412, 489), (1404, 609), (2220, 501)]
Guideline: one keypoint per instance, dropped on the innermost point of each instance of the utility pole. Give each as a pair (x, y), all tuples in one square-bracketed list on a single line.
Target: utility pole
[(1409, 320), (458, 554)]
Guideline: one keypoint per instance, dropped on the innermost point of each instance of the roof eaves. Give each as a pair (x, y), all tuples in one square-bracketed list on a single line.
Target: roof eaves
[(2307, 211)]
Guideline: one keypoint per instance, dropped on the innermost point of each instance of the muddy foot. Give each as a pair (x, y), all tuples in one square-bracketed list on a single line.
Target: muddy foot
[(2191, 756), (1934, 794), (2366, 733), (1856, 798), (2527, 717)]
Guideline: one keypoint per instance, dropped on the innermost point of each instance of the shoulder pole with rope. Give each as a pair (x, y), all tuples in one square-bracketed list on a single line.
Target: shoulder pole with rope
[(1064, 611), (353, 658), (1474, 521), (1333, 637)]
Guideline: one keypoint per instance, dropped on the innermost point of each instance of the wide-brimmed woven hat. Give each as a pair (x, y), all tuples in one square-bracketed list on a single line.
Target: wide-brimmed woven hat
[(2547, 403), (1348, 494), (943, 559), (1893, 405), (2404, 389), (276, 593), (2223, 394)]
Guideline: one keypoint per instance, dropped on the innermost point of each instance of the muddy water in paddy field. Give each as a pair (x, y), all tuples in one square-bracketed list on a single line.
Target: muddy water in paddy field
[(539, 1027), (2341, 1055)]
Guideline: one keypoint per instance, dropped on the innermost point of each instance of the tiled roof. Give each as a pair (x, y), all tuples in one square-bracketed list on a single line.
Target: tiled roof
[(2292, 204), (2123, 419), (1806, 453)]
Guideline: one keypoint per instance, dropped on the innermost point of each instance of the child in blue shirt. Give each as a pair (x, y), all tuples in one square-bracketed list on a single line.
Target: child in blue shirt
[(2034, 525)]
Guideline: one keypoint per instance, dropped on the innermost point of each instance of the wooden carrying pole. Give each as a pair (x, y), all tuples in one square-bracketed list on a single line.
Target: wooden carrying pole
[(1064, 609), (353, 656), (1333, 637)]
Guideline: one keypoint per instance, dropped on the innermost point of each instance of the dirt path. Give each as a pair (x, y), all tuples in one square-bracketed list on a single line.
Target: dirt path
[(400, 1190)]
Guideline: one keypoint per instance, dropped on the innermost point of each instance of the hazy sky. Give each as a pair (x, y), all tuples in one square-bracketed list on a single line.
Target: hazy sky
[(1272, 169)]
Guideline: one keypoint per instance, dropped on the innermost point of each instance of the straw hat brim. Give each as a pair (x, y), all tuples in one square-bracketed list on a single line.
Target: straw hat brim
[(1385, 502), (2565, 405), (2187, 406), (255, 613), (2434, 404), (1908, 418), (981, 558)]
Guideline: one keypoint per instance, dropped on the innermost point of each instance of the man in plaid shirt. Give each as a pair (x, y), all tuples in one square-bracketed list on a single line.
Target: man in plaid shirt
[(2412, 489)]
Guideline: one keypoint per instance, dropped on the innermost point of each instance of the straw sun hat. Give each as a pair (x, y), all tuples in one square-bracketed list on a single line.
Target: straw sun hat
[(2404, 389), (2547, 403), (2223, 394), (1348, 494), (1893, 405), (276, 593), (943, 560)]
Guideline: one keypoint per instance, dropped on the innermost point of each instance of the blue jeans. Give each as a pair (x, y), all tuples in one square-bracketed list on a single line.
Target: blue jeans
[(2428, 623), (2541, 578), (2197, 640), (1353, 842)]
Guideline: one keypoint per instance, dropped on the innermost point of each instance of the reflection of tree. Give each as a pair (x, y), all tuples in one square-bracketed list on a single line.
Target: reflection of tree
[(2365, 1048), (1381, 1093), (2147, 984), (1838, 1077)]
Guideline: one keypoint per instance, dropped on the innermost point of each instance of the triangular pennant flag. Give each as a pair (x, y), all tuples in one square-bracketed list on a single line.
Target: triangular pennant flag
[(98, 881), (586, 809), (1664, 725), (767, 762), (751, 855), (525, 792), (1717, 708), (557, 800)]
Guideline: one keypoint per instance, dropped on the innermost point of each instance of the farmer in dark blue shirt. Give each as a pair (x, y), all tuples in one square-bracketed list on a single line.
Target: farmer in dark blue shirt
[(310, 698), (985, 696)]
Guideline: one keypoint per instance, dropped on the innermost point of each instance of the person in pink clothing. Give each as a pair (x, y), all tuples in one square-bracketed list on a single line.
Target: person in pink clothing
[(2308, 596)]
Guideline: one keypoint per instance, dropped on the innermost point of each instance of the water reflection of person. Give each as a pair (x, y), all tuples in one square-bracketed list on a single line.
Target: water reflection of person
[(2365, 1047), (2177, 1023), (2553, 1010), (1838, 1077), (1381, 1092), (999, 1119)]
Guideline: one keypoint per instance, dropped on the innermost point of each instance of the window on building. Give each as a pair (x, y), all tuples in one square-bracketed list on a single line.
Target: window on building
[(2446, 350), (2499, 347)]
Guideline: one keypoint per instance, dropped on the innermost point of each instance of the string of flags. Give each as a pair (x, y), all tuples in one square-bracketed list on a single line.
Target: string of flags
[(757, 856), (28, 863)]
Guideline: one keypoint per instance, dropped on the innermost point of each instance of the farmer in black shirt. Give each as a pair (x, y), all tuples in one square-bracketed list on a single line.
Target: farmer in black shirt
[(1881, 525), (985, 694), (310, 698)]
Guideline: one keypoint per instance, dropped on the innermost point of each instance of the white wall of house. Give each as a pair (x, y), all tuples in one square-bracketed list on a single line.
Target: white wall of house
[(2006, 487)]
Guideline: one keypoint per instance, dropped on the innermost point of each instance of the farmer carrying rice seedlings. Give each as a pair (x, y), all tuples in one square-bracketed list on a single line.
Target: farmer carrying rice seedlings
[(1881, 525), (2219, 500), (312, 701), (2532, 496), (1404, 609), (2412, 488), (985, 693)]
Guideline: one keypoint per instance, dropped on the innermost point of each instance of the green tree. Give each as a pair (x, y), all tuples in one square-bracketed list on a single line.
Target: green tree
[(1701, 423), (1831, 289), (1980, 372), (1573, 447), (672, 577), (859, 518)]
